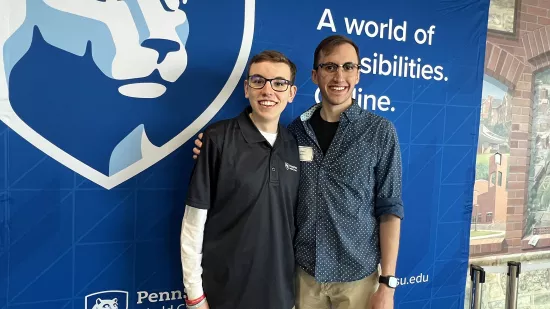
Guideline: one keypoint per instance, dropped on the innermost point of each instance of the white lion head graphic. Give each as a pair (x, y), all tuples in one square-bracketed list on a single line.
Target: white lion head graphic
[(112, 299), (130, 40), (106, 303), (117, 85)]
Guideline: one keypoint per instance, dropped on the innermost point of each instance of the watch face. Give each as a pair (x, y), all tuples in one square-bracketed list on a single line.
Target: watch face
[(392, 282)]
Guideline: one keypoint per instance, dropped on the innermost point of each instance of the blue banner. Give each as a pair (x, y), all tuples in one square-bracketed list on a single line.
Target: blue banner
[(100, 102)]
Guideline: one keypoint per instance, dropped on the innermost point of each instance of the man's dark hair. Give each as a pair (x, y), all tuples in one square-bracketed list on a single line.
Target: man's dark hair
[(328, 44), (277, 57)]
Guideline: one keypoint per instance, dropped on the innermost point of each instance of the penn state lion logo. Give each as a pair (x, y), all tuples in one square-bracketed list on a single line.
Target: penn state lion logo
[(114, 299), (110, 87), (106, 304)]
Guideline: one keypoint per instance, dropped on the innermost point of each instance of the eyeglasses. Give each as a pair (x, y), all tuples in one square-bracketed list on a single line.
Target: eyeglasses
[(277, 84), (329, 67)]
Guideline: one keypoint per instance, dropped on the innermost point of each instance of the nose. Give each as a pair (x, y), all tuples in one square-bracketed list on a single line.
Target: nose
[(267, 90), (162, 46), (339, 75)]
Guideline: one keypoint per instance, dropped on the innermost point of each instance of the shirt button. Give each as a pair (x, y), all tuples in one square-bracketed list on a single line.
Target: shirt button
[(272, 169)]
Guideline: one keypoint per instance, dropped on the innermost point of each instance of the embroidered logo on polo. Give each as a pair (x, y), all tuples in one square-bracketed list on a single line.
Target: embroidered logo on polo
[(291, 167)]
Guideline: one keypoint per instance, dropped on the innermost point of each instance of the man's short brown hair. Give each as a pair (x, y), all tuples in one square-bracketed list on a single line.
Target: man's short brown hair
[(274, 56), (328, 44)]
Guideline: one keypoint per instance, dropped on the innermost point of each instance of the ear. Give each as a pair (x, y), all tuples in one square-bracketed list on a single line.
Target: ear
[(292, 94), (98, 301), (314, 77), (115, 300), (246, 88)]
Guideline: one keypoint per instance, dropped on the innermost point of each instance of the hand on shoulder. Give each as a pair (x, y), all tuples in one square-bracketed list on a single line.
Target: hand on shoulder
[(198, 144)]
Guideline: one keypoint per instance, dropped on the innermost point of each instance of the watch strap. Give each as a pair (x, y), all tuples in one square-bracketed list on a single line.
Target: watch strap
[(386, 280)]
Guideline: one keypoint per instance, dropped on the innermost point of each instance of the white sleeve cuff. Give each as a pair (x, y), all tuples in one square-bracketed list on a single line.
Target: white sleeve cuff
[(194, 291)]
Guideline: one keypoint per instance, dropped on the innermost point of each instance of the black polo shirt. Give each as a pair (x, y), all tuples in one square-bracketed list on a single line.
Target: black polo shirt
[(250, 190)]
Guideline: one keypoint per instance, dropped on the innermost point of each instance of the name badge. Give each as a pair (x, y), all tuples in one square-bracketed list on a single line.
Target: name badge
[(306, 153)]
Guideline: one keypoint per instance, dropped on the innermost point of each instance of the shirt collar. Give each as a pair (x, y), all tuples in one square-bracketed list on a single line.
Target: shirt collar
[(250, 131), (351, 113)]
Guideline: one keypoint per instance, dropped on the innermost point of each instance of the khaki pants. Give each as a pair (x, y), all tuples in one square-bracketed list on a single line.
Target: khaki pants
[(311, 294)]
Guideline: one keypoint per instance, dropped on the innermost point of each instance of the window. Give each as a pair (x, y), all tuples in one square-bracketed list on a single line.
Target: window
[(503, 16)]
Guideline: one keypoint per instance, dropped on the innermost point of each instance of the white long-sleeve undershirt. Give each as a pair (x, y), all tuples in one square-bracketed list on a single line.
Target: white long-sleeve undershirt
[(192, 234)]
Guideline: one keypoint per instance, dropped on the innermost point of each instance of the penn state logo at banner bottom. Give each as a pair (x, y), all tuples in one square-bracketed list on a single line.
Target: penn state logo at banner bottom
[(107, 300), (118, 299)]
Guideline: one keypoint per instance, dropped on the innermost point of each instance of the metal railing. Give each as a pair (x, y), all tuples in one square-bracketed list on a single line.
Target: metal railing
[(477, 276), (512, 285)]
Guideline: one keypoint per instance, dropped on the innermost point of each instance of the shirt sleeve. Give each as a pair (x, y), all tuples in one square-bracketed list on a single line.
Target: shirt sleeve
[(204, 175), (389, 175), (191, 237)]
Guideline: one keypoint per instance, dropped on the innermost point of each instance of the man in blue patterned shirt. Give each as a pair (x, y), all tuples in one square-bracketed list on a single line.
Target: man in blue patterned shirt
[(350, 207)]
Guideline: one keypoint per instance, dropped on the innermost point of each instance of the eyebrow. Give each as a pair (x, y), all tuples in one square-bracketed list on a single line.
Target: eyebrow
[(277, 77)]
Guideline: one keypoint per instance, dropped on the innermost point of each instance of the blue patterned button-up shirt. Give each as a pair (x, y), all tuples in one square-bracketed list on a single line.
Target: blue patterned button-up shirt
[(343, 194)]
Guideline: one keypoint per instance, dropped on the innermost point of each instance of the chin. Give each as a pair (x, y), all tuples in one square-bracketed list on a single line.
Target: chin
[(271, 115), (339, 101)]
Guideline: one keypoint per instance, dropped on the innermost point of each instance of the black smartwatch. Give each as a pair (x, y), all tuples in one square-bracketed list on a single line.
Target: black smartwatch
[(390, 281)]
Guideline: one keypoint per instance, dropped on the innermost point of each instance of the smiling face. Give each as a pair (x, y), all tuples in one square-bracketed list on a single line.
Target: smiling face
[(335, 83), (269, 99)]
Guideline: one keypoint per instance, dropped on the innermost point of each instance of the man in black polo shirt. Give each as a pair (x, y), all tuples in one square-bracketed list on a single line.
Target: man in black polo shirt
[(239, 219)]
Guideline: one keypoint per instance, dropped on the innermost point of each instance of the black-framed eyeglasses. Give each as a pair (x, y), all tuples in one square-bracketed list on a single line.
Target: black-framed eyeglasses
[(330, 67), (277, 84)]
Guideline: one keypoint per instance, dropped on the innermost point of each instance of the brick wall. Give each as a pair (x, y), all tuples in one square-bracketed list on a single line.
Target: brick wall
[(513, 60)]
